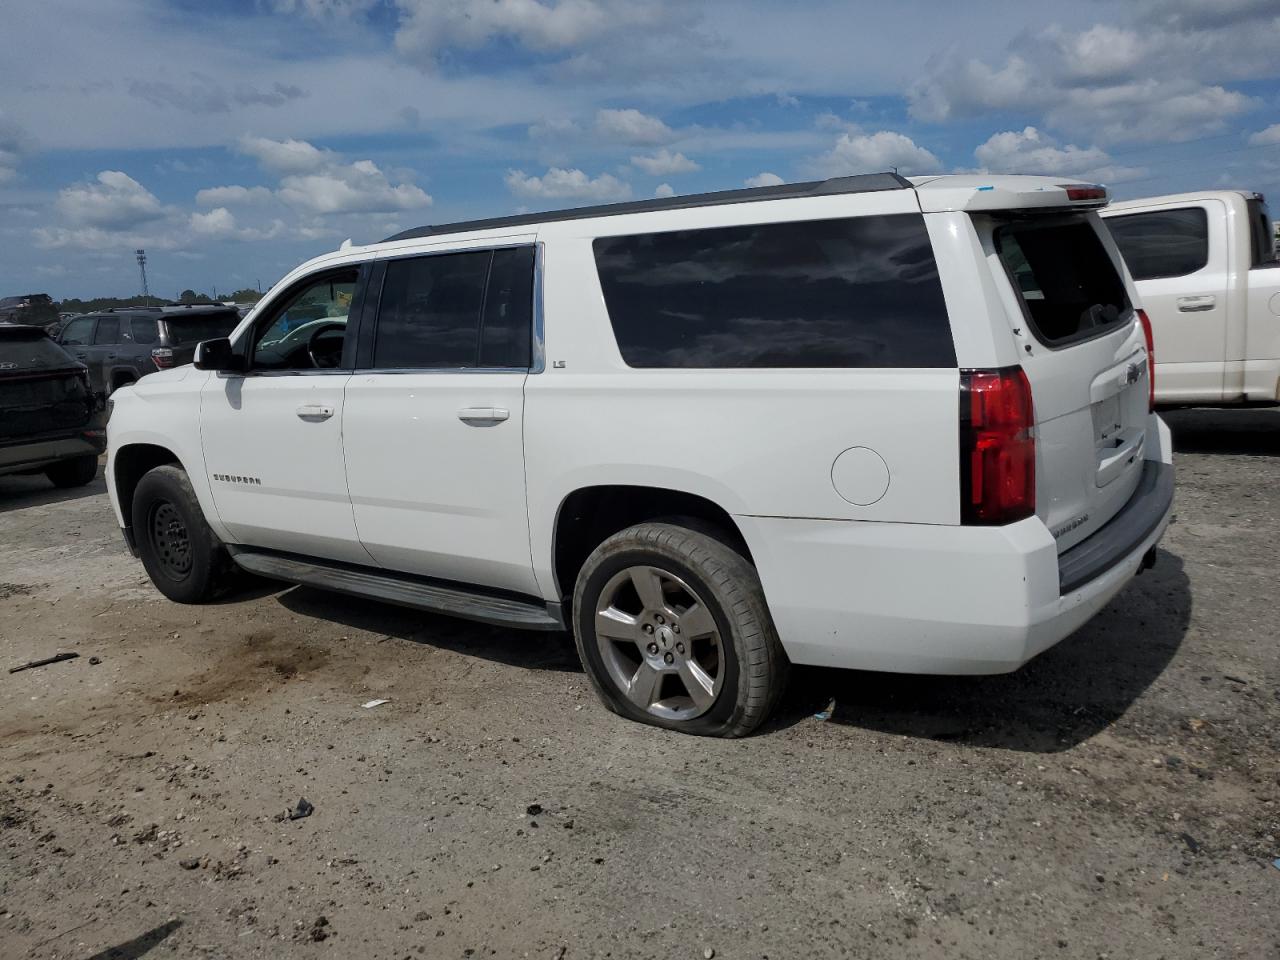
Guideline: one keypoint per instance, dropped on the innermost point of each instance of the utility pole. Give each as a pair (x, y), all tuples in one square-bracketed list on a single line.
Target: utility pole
[(142, 266)]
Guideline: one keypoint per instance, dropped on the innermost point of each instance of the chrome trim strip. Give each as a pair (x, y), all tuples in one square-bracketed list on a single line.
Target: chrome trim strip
[(538, 362)]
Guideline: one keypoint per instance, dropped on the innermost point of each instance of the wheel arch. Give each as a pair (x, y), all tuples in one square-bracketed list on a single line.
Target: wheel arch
[(130, 464), (591, 514)]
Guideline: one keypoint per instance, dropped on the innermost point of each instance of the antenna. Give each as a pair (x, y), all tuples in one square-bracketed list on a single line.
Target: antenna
[(141, 256)]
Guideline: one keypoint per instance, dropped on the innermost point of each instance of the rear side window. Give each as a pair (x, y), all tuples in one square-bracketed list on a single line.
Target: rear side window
[(456, 311), (861, 292), (1163, 243), (144, 329), (108, 330), (22, 353), (1068, 285), (1261, 236)]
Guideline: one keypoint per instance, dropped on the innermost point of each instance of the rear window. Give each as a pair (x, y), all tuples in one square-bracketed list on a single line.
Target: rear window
[(1069, 287), (1163, 243), (23, 354), (200, 327), (145, 329), (861, 292)]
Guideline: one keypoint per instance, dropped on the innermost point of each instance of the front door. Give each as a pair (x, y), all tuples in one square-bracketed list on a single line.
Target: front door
[(1177, 254), (434, 419), (272, 436)]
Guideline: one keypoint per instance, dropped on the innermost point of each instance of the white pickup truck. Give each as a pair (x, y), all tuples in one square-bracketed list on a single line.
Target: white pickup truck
[(1207, 274)]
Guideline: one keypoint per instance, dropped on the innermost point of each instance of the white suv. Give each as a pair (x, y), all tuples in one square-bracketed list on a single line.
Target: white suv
[(868, 422)]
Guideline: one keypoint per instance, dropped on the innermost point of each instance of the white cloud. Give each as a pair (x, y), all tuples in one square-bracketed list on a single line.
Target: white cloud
[(1030, 151), (875, 153), (561, 184), (549, 128), (114, 201), (664, 190), (765, 179), (325, 9), (664, 163), (218, 222), (1270, 135), (286, 156), (632, 126), (359, 187), (231, 195)]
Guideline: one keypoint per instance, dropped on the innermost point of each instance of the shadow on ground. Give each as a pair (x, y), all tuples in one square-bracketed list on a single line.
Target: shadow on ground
[(1063, 697), (17, 493), (1245, 432), (535, 650), (140, 945)]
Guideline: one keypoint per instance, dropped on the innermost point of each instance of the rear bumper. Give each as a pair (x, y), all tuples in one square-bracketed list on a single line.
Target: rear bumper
[(33, 455), (920, 598)]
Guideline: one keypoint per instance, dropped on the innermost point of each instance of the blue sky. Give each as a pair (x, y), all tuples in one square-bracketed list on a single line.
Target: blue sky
[(234, 139)]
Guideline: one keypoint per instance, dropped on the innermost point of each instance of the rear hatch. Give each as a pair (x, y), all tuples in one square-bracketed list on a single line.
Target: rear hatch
[(183, 330), (1085, 356), (43, 391)]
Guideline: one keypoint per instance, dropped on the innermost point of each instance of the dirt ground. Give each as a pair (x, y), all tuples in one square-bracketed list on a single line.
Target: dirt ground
[(1118, 797)]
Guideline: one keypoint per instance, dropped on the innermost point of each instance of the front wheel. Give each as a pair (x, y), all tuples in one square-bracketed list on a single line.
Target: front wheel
[(182, 555), (673, 630)]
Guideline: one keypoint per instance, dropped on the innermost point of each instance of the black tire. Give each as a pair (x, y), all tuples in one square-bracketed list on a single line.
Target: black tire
[(754, 663), (184, 558), (78, 472)]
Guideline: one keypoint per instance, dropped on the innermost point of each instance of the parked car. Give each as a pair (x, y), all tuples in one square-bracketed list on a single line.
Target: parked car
[(868, 422), (124, 344), (1206, 271), (33, 309), (49, 419)]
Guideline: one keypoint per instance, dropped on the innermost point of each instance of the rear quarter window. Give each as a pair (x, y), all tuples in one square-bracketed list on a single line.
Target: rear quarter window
[(1069, 287), (1163, 243), (860, 292), (25, 354)]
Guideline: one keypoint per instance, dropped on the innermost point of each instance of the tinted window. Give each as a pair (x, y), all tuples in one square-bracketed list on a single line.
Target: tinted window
[(1068, 284), (1164, 243), (78, 331), (145, 329), (1261, 235), (862, 292), (207, 326), (108, 330), (506, 330), (431, 309)]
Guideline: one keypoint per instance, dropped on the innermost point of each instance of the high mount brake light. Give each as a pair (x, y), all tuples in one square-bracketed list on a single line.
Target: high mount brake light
[(1091, 192), (997, 447), (1149, 334)]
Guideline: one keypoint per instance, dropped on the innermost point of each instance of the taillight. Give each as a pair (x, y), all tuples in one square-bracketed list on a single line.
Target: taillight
[(1085, 192), (997, 446), (1151, 359), (163, 357)]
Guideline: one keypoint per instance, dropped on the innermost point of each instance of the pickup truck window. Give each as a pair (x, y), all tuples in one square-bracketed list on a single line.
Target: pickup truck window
[(1261, 238), (1162, 243), (1068, 285), (859, 292), (108, 331), (457, 311)]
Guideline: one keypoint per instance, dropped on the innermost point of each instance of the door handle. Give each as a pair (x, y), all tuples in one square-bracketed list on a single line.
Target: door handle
[(1196, 304), (483, 414), (315, 412)]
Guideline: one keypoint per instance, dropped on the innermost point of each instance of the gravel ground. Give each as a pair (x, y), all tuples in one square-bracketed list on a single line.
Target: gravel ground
[(1118, 797)]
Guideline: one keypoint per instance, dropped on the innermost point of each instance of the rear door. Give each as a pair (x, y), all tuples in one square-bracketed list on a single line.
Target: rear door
[(1177, 254), (1086, 360), (433, 427), (104, 351)]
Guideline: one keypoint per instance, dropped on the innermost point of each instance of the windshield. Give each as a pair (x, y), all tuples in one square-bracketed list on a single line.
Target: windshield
[(1069, 286), (207, 326)]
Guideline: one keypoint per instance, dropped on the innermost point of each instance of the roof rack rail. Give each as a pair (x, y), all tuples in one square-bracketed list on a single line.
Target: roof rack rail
[(860, 183)]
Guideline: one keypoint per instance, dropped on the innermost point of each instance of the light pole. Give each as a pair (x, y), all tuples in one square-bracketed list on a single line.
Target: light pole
[(142, 266)]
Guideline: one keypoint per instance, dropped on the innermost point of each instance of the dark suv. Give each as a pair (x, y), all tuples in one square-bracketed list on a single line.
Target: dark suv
[(50, 421), (124, 344)]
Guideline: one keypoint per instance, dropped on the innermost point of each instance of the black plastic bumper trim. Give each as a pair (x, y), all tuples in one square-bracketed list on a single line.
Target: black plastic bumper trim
[(1123, 534)]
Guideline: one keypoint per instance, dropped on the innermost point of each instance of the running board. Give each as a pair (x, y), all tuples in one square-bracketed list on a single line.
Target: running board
[(405, 591)]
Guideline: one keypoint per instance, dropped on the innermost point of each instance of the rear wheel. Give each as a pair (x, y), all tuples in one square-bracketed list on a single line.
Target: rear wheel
[(77, 472), (673, 630), (182, 555)]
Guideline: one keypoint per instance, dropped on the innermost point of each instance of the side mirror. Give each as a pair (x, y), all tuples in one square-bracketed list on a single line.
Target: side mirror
[(217, 355)]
